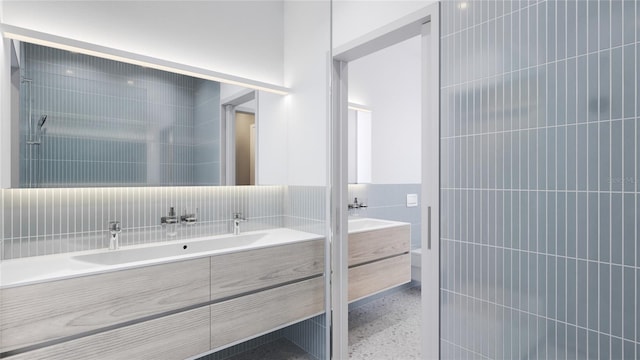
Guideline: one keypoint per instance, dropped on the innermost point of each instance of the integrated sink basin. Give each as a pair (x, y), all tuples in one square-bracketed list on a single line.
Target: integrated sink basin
[(31, 270), (144, 253)]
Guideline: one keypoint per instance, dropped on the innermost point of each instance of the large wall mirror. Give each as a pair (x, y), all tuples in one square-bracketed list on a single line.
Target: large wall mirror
[(86, 121)]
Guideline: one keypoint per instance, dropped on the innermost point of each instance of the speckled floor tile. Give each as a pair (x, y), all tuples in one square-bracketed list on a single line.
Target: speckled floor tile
[(387, 328), (281, 349)]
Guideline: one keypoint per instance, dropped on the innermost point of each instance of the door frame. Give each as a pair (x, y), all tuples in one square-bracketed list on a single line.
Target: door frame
[(424, 22)]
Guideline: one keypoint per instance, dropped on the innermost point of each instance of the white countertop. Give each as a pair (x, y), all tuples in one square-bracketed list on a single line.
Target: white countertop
[(31, 270), (357, 225)]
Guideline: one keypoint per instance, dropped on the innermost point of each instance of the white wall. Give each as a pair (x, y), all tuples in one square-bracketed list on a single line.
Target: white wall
[(242, 38), (389, 83), (307, 61), (355, 18), (272, 148)]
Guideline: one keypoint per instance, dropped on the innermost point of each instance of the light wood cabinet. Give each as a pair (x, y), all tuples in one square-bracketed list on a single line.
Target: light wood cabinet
[(373, 245), (247, 271), (378, 260), (242, 317), (166, 311), (377, 276), (48, 311), (176, 336)]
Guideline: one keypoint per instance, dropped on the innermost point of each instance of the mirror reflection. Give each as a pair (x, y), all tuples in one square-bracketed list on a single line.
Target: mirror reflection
[(86, 121)]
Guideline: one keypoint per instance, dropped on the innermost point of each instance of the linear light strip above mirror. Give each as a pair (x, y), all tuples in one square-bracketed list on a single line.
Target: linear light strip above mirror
[(40, 38)]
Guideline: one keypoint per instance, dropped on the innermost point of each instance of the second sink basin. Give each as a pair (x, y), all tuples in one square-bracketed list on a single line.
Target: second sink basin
[(167, 250), (367, 224)]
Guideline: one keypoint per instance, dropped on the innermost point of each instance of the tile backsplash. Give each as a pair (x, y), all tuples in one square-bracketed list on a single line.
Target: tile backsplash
[(38, 222)]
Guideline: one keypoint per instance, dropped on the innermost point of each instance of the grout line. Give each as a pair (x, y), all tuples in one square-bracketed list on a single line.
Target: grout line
[(526, 312), (537, 128), (523, 251)]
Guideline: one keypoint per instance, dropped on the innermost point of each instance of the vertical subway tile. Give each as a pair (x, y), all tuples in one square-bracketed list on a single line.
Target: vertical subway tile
[(629, 81), (604, 298), (617, 23), (594, 99), (571, 225), (593, 155), (604, 23), (616, 178), (582, 159), (629, 232), (604, 228), (551, 30), (616, 83), (582, 97), (571, 293), (561, 160), (604, 156), (582, 285), (593, 203), (593, 299), (571, 27), (616, 301), (629, 21), (561, 30), (571, 91), (604, 91), (571, 161)]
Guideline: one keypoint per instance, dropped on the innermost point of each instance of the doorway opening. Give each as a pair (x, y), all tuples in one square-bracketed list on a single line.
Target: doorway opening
[(424, 25)]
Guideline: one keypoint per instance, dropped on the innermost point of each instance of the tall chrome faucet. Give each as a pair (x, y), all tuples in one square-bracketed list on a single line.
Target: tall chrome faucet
[(237, 219), (114, 239)]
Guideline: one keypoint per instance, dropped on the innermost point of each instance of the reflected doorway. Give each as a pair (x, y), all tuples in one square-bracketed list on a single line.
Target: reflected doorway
[(239, 151), (245, 148)]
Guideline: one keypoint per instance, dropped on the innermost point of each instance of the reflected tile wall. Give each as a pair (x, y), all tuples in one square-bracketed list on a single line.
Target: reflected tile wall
[(540, 172), (115, 124)]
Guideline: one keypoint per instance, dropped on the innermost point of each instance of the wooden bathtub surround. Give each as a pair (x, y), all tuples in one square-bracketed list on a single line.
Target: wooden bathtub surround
[(172, 310), (378, 260)]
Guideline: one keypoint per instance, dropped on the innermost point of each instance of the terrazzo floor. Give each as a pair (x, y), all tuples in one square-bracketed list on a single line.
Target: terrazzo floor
[(387, 328)]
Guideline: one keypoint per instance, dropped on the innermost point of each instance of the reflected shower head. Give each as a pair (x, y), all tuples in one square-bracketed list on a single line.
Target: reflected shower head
[(43, 118)]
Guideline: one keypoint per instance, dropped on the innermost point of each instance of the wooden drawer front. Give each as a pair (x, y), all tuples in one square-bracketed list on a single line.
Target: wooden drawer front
[(376, 244), (368, 279), (245, 271), (177, 336), (35, 313), (254, 314)]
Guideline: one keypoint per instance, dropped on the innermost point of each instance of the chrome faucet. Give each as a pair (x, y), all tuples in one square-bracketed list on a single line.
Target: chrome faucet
[(114, 239), (171, 218), (357, 205), (189, 218), (237, 219)]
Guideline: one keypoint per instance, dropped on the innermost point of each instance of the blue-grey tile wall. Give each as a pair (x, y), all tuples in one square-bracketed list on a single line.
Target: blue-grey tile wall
[(540, 170), (389, 201), (150, 114)]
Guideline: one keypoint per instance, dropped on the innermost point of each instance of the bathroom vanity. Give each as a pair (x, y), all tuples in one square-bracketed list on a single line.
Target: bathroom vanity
[(193, 297), (378, 256)]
